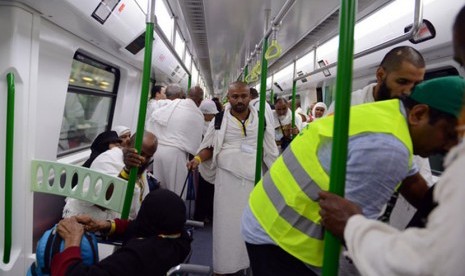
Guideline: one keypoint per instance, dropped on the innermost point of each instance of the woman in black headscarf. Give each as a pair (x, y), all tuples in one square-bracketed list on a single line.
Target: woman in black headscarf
[(103, 142), (156, 241)]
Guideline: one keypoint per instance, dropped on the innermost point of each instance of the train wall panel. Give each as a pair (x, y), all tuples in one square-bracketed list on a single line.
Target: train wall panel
[(18, 55)]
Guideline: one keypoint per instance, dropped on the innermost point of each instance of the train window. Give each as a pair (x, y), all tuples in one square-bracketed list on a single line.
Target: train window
[(164, 19), (188, 59), (195, 75), (89, 105), (179, 44)]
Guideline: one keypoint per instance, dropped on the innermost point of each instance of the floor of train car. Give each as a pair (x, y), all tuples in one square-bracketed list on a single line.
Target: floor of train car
[(202, 240)]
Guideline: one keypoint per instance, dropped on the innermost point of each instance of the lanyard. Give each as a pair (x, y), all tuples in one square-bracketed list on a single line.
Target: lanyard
[(243, 123)]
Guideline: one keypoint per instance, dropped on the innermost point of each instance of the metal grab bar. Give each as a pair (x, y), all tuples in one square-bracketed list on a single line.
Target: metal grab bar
[(143, 103), (261, 114), (417, 21), (10, 123), (341, 125)]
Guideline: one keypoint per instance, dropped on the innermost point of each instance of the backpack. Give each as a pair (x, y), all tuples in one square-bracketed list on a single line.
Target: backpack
[(51, 243)]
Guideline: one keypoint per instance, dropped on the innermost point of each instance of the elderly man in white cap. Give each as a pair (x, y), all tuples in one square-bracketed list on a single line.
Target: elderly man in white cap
[(205, 190), (208, 108), (124, 133)]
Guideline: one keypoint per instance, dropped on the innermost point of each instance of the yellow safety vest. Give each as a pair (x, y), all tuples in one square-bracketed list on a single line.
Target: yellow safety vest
[(285, 201)]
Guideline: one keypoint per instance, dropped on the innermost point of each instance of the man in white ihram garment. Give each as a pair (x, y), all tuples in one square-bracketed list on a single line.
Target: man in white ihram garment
[(230, 152), (178, 126), (117, 162), (283, 123)]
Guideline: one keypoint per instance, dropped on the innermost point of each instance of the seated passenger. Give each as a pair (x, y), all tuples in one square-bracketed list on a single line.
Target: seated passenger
[(156, 240), (118, 162), (103, 142), (124, 133)]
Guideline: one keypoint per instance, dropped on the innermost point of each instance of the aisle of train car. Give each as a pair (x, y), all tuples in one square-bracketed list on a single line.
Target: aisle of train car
[(78, 70)]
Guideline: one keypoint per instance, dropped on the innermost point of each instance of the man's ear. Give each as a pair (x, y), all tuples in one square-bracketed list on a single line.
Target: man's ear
[(380, 74), (418, 114)]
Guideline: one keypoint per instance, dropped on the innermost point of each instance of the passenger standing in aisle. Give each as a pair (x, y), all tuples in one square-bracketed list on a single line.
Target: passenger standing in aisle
[(282, 227), (178, 127), (157, 99), (438, 249), (205, 188), (232, 150), (400, 70), (284, 132), (318, 110)]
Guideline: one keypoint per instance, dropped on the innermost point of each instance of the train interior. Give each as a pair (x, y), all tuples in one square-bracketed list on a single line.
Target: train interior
[(78, 72)]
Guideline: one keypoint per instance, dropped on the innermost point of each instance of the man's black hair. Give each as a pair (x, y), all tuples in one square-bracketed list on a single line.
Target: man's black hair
[(155, 90), (394, 58)]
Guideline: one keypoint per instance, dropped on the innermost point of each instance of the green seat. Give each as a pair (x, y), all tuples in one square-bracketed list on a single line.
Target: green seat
[(60, 179)]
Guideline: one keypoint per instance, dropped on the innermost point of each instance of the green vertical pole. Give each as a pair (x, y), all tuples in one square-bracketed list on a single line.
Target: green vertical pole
[(272, 96), (189, 81), (142, 105), (246, 72), (261, 114), (294, 90), (10, 126), (341, 123)]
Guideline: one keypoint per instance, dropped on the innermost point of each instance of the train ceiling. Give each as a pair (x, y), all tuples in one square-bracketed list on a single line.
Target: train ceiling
[(230, 29)]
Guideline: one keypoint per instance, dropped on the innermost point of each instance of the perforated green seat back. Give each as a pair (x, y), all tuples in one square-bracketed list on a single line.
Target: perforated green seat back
[(79, 183)]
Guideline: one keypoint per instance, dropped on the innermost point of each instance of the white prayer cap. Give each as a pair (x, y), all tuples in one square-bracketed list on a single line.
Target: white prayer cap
[(208, 107), (120, 130)]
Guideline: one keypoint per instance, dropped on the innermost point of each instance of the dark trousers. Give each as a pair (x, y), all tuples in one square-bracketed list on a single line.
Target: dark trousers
[(271, 260), (204, 200)]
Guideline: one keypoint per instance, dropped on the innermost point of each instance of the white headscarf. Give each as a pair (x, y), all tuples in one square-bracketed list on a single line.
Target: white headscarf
[(319, 104), (120, 130), (208, 107)]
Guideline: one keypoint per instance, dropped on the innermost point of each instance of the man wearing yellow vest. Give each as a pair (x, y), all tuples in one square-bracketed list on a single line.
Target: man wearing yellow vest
[(282, 226)]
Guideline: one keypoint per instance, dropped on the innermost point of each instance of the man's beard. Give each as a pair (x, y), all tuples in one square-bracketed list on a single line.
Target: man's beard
[(384, 92), (239, 108), (282, 117)]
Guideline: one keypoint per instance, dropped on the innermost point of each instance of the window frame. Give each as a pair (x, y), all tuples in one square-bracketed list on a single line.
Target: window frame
[(78, 90)]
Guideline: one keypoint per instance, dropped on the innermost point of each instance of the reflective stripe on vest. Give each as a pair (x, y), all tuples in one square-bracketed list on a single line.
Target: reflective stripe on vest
[(285, 203)]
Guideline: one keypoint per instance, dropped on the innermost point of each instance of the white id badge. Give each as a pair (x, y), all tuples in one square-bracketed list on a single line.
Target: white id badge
[(247, 148)]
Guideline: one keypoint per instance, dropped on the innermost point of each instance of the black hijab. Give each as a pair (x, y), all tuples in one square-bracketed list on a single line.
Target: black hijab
[(101, 144), (161, 212)]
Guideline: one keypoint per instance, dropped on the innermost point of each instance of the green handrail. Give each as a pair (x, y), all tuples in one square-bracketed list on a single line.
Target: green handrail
[(142, 105), (341, 124), (189, 81), (294, 91), (272, 95), (10, 126), (261, 114), (246, 72)]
